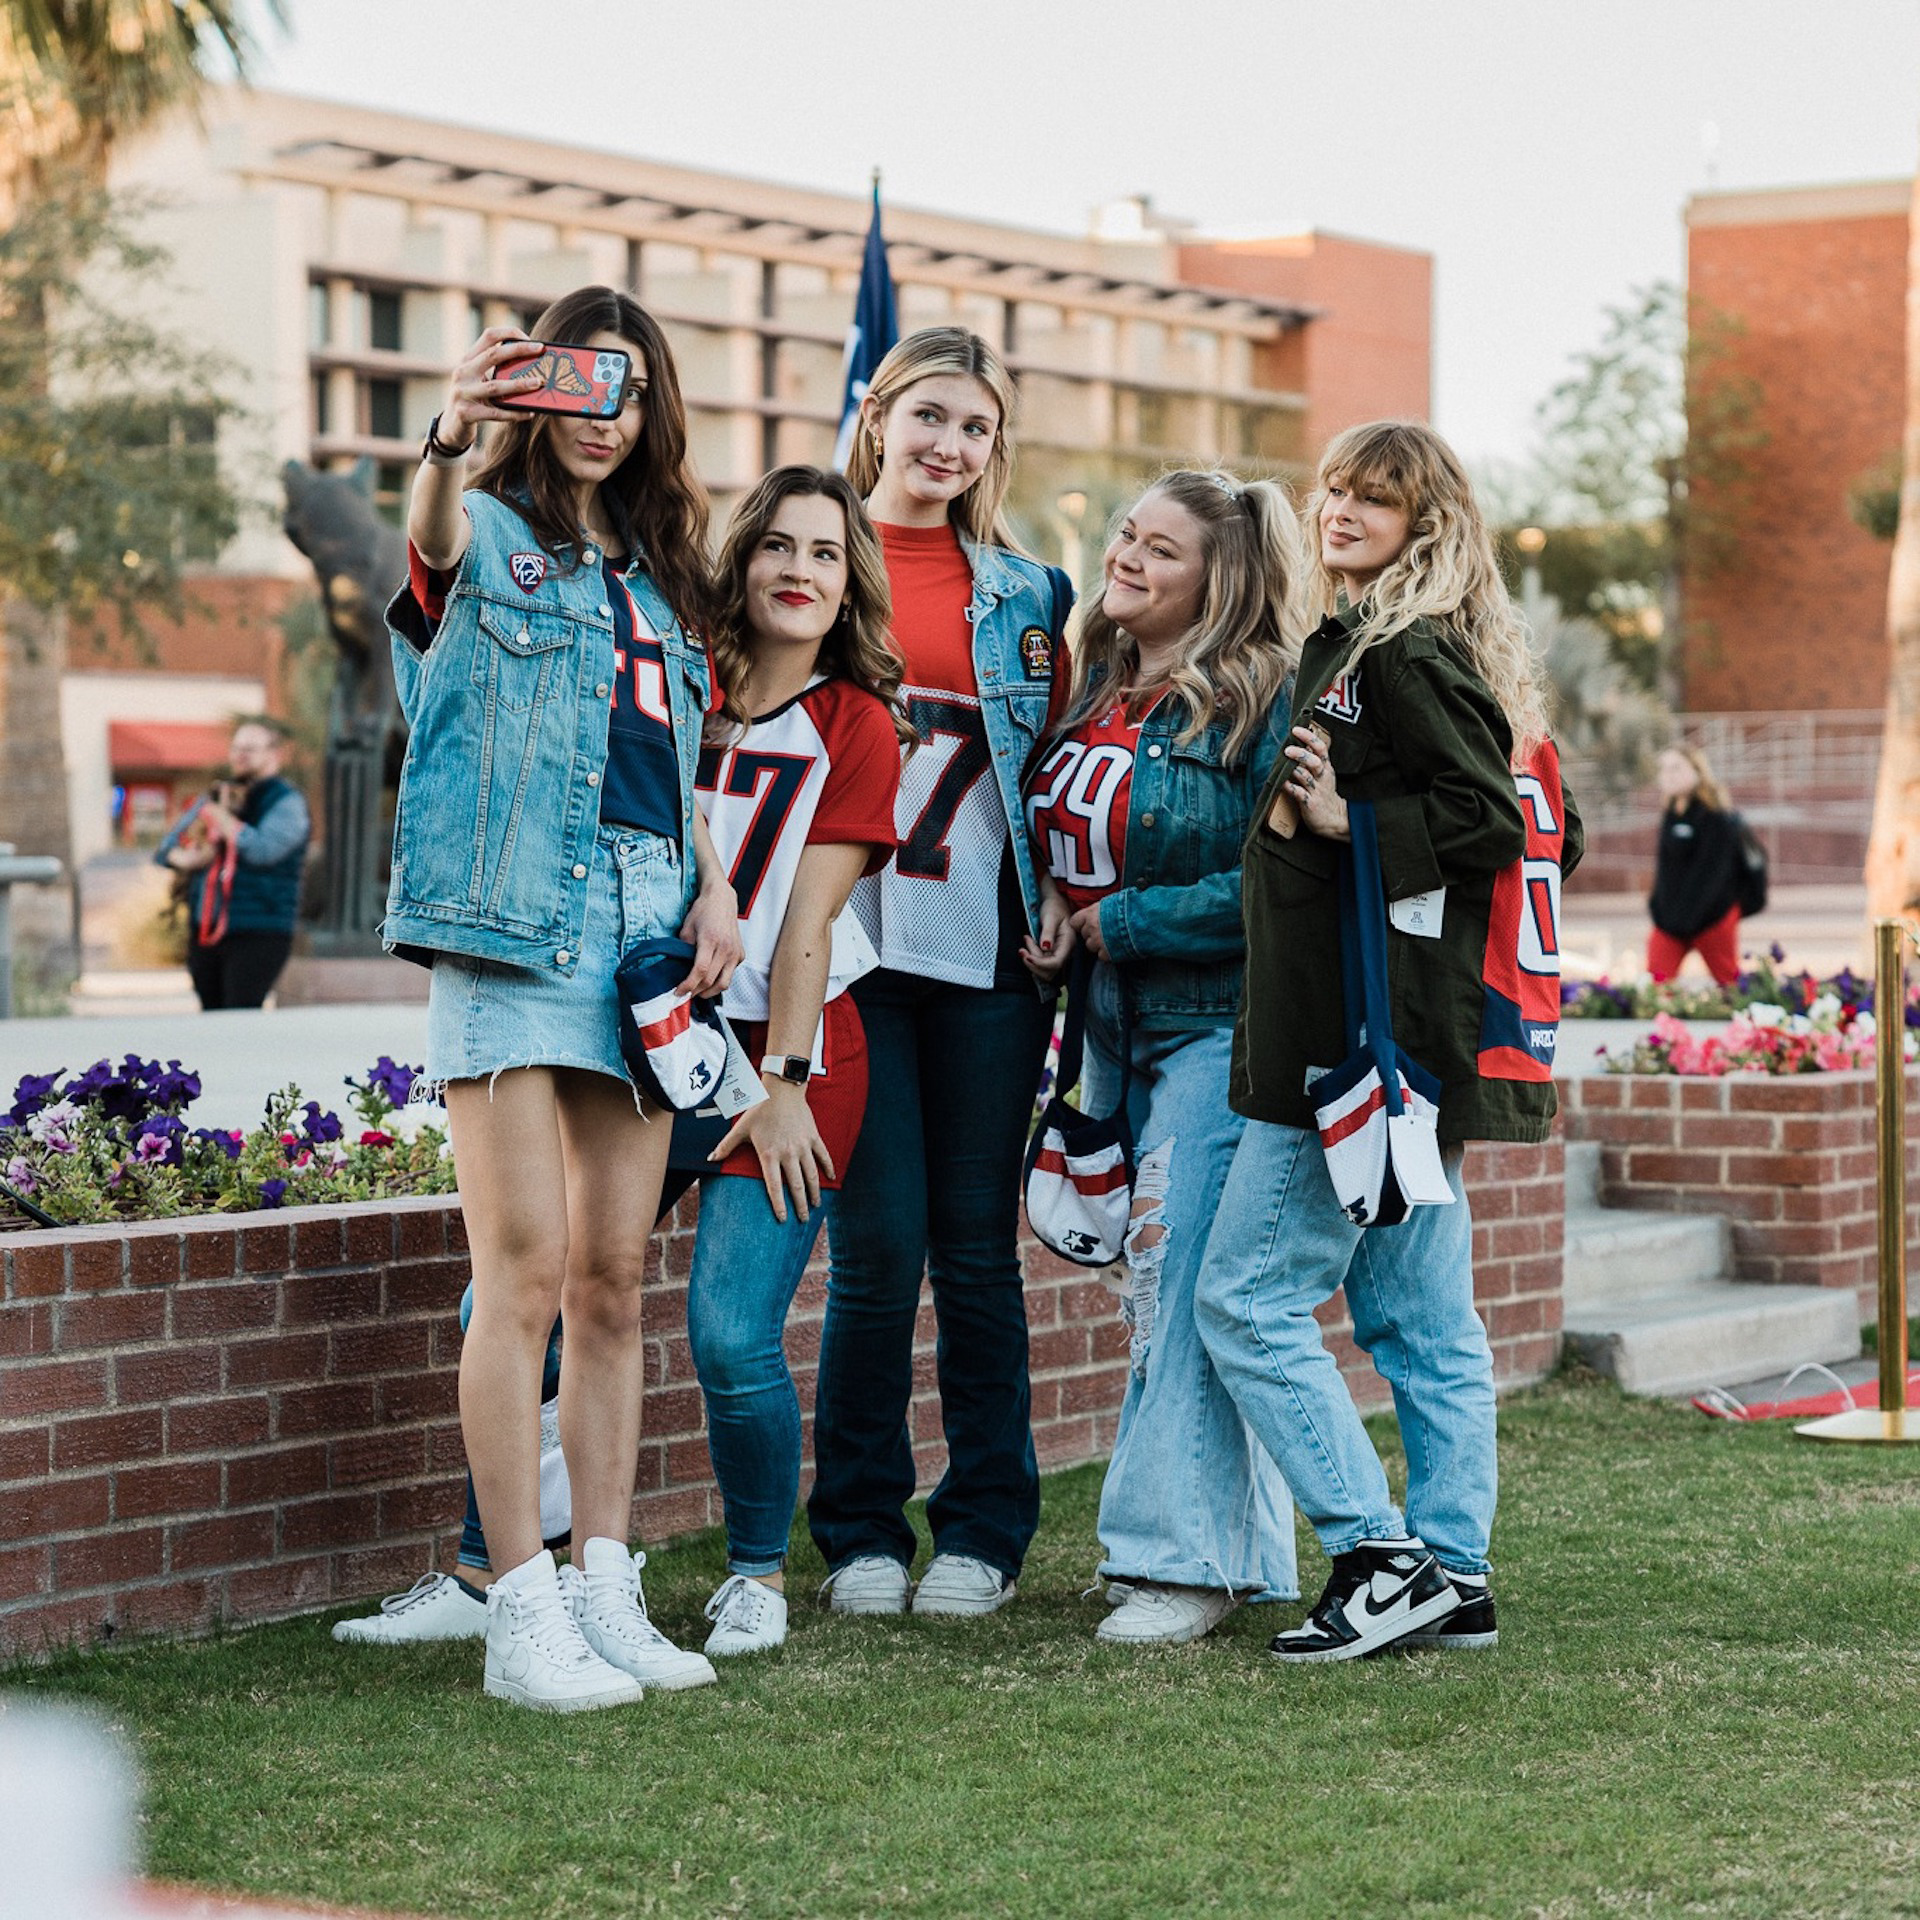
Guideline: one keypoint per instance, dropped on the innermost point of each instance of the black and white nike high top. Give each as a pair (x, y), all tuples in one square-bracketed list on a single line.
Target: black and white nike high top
[(1379, 1593)]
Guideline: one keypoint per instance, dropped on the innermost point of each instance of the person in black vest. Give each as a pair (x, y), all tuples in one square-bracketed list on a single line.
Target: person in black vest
[(241, 850), (1695, 903)]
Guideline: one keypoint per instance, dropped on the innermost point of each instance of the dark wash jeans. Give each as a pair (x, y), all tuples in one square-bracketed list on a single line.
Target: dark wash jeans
[(933, 1188)]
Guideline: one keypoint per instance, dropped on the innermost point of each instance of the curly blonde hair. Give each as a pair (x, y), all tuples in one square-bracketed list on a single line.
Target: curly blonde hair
[(857, 646), (1246, 639), (1446, 573)]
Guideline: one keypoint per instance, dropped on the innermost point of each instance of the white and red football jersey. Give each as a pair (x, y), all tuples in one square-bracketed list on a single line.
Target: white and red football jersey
[(824, 768), (1079, 801)]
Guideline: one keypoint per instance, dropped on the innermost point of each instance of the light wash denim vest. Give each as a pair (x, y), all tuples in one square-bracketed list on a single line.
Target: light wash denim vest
[(508, 708)]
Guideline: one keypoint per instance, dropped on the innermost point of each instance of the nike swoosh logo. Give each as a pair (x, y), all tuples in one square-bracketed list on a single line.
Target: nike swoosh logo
[(1362, 1610)]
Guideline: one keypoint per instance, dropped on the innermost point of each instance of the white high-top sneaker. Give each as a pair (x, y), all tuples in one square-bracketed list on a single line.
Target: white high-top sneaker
[(536, 1656), (1157, 1615), (748, 1617), (435, 1607), (603, 1595)]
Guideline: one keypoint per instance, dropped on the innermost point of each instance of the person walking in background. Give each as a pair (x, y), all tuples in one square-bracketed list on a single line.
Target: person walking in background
[(1138, 806), (1426, 703), (956, 1032), (546, 824), (240, 852), (1698, 867)]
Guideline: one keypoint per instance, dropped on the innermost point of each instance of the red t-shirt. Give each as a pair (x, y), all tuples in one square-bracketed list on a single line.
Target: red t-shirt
[(1077, 804)]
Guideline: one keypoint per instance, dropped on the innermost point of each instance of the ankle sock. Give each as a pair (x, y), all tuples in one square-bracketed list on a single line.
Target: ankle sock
[(467, 1587)]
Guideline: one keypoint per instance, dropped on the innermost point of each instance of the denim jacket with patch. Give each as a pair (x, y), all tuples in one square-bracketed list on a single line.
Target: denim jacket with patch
[(508, 701)]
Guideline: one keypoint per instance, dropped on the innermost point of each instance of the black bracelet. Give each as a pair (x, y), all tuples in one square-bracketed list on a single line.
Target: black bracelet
[(434, 448)]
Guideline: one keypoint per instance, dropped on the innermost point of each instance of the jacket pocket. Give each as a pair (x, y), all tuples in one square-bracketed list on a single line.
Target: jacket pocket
[(516, 656), (1289, 873)]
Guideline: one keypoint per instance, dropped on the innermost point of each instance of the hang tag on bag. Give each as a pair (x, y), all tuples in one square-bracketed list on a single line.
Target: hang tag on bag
[(1419, 913), (740, 1086)]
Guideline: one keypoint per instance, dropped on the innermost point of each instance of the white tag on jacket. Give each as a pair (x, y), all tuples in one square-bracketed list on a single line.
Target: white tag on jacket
[(740, 1087), (1419, 913)]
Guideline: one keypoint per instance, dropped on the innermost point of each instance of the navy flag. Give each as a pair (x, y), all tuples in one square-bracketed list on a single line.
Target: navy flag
[(875, 328)]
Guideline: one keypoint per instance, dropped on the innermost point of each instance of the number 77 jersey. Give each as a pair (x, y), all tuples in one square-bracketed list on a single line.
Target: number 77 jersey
[(1520, 1009)]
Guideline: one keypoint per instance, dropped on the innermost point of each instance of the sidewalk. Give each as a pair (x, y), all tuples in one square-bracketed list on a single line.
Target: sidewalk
[(1821, 928)]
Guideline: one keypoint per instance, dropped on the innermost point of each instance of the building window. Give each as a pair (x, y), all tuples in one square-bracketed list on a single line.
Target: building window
[(390, 491), (383, 321), (383, 409), (319, 316), (320, 403)]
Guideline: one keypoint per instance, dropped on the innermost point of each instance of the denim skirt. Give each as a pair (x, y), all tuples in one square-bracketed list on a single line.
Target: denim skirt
[(484, 1017)]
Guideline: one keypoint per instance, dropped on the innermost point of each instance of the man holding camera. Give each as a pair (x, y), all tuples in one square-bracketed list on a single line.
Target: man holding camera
[(241, 850)]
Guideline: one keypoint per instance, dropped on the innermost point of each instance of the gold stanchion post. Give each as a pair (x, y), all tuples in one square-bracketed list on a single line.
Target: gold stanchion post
[(1892, 1424)]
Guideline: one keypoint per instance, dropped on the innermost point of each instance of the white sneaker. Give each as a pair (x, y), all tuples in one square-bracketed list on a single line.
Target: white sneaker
[(868, 1583), (748, 1617), (556, 1490), (536, 1656), (1163, 1616), (611, 1612), (435, 1607), (957, 1586)]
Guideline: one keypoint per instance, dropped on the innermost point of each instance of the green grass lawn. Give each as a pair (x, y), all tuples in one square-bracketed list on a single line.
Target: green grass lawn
[(1706, 1701)]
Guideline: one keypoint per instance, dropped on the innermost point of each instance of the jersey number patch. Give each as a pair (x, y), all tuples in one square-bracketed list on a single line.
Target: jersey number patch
[(771, 781), (1080, 782), (954, 732)]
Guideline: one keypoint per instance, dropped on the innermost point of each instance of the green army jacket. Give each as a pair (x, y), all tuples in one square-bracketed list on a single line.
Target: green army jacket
[(1416, 731)]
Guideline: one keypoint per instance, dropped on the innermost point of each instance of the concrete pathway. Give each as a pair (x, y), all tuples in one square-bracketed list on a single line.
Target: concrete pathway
[(1822, 928)]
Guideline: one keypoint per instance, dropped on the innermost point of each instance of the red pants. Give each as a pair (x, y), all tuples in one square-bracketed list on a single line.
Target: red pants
[(1718, 945)]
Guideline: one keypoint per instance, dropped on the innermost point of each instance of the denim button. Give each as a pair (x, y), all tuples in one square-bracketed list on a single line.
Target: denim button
[(593, 556), (593, 779), (1153, 753), (579, 873), (606, 613), (1146, 819), (523, 636), (601, 691), (563, 957)]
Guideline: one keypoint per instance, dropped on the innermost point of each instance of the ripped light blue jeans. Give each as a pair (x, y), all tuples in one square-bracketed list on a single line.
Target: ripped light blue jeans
[(1191, 1498)]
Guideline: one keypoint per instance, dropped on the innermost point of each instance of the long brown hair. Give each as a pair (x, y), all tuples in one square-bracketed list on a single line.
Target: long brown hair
[(977, 513), (856, 646), (656, 503), (1245, 639)]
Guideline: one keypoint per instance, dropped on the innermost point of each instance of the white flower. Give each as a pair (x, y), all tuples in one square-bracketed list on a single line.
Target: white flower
[(1760, 1014), (1864, 1026), (1825, 1012)]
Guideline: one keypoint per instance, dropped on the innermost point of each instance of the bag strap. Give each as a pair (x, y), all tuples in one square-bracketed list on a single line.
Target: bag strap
[(1073, 1031), (1363, 949)]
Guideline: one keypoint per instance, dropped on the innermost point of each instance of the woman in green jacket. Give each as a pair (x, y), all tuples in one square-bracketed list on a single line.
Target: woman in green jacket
[(1417, 694)]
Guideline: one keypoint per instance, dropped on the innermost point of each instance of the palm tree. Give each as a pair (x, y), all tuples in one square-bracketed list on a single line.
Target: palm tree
[(1893, 852)]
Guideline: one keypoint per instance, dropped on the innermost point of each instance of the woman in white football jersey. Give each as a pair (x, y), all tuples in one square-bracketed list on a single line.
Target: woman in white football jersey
[(798, 784)]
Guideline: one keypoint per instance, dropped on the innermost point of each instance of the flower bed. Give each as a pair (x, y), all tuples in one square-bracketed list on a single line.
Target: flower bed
[(1770, 983), (1829, 1037)]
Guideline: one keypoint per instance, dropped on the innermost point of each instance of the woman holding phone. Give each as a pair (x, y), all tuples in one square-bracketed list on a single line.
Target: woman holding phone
[(546, 658), (956, 1031), (1138, 807)]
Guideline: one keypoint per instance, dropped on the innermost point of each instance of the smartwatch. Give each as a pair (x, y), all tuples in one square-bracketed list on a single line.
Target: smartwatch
[(795, 1068)]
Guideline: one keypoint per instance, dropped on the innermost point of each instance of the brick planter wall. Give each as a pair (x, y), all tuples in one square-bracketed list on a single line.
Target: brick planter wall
[(238, 1417), (1788, 1161)]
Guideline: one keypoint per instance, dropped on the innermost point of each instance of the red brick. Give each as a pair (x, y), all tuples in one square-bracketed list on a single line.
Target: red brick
[(277, 1359), (1651, 1166), (153, 1257), (171, 1373), (1795, 1093), (203, 1426), (26, 1329), (267, 1248), (426, 1286), (369, 1235), (318, 1241), (1595, 1092), (37, 1272), (110, 1320), (1703, 1096), (688, 1462), (107, 1559), (25, 1452), (344, 1406), (1651, 1093), (53, 1386), (180, 1607), (404, 1398), (229, 1540), (1754, 1130), (108, 1440), (229, 1306), (1088, 1392), (456, 1227), (383, 1347), (339, 1520), (96, 1263), (82, 1621), (212, 1253), (1783, 1169), (54, 1506), (144, 1493), (24, 1570), (377, 1570), (673, 1411), (1062, 1347), (284, 1473), (421, 1234), (367, 1457), (284, 1586), (432, 1503), (326, 1299)]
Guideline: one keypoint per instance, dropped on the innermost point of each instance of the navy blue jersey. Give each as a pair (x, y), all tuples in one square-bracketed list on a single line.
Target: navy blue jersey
[(641, 786)]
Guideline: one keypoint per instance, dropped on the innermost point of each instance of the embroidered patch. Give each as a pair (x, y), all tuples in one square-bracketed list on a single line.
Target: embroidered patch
[(528, 570), (1036, 653), (1342, 699)]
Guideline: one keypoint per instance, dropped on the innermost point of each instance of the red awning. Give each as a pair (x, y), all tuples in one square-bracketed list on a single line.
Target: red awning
[(167, 746)]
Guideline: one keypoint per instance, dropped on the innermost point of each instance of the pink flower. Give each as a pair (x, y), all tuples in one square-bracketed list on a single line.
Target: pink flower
[(376, 1137)]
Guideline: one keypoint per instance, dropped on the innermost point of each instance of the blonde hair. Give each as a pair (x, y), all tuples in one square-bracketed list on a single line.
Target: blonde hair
[(1446, 573), (1246, 639), (977, 513), (856, 646), (1706, 787)]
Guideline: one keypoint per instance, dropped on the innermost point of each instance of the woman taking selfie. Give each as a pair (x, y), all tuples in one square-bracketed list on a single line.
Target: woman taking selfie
[(799, 791), (1422, 693), (1138, 807), (546, 823), (955, 1028)]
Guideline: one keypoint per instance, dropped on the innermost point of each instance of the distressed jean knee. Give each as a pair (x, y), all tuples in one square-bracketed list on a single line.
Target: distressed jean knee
[(1146, 1252)]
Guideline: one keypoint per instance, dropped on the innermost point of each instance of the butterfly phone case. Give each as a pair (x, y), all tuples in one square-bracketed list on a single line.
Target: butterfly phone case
[(1284, 815), (582, 380)]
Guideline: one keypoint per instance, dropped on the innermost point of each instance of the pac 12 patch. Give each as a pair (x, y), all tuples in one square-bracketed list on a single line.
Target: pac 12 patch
[(528, 570), (1036, 653)]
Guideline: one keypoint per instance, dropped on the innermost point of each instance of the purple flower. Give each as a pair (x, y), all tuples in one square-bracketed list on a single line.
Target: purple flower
[(228, 1142), (33, 1093), (162, 1136), (85, 1088), (272, 1192), (1777, 953), (320, 1127), (20, 1174), (175, 1087), (392, 1080)]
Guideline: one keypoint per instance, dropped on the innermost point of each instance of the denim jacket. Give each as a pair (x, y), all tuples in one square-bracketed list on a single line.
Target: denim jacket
[(508, 707), (1174, 922), (1012, 601)]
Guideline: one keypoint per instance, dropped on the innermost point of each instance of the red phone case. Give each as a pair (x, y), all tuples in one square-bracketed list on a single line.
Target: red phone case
[(583, 380)]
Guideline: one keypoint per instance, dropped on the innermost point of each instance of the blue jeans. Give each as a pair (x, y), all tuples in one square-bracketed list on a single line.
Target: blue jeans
[(934, 1189), (1280, 1245), (746, 1270), (1191, 1497)]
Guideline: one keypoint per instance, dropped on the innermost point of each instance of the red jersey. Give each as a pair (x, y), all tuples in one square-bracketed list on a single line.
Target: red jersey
[(1520, 1010), (1077, 805)]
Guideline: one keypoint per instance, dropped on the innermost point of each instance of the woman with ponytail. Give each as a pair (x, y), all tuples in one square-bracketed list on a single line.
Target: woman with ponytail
[(1138, 806)]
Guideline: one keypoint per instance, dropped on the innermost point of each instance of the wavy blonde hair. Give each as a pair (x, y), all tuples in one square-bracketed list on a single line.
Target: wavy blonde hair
[(979, 513), (1446, 573), (1246, 640), (1706, 785), (857, 646)]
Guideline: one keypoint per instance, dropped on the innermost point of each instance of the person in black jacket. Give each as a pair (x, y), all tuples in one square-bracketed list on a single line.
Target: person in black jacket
[(1696, 873)]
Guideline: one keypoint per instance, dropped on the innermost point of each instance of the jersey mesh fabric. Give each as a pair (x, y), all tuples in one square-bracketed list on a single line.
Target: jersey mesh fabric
[(1077, 804)]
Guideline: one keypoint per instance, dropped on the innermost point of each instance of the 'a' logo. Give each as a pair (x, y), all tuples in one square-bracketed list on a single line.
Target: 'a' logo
[(528, 570), (1342, 699)]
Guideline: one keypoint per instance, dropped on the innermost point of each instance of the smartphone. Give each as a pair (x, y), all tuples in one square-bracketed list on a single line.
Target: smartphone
[(584, 380), (1283, 817)]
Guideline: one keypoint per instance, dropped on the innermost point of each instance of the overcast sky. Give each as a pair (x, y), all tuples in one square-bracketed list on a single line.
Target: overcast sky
[(1541, 150)]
